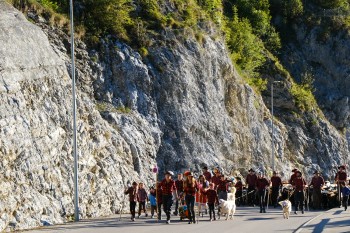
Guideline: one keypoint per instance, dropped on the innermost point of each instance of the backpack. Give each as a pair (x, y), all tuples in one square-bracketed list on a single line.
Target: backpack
[(346, 191)]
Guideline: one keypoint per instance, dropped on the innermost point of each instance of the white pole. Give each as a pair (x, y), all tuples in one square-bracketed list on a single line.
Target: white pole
[(76, 191), (272, 139)]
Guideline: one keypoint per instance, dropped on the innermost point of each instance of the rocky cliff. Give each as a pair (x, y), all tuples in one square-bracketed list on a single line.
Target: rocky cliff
[(181, 107)]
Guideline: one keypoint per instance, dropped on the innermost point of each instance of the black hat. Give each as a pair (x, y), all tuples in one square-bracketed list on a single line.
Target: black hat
[(316, 172), (238, 178), (169, 173), (342, 167), (134, 183), (274, 172), (205, 168), (251, 170), (297, 171), (294, 170)]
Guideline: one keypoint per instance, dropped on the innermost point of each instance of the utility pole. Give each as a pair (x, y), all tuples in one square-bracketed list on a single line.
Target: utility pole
[(76, 190)]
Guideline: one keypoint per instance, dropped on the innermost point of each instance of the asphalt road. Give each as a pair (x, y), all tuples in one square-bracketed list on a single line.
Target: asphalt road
[(247, 219)]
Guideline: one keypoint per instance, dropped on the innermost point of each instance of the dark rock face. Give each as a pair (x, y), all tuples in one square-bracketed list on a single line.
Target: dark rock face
[(181, 107)]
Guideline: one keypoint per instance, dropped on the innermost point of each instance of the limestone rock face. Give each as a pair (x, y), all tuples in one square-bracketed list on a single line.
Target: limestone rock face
[(181, 107)]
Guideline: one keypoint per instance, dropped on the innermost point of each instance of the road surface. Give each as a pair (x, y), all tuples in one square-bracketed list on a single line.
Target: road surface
[(247, 219)]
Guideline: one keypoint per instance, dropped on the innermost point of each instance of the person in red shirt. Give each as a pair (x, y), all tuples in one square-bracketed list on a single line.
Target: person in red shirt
[(340, 179), (206, 173), (239, 191), (222, 188), (317, 183), (168, 191), (262, 185), (299, 185), (251, 181), (276, 183), (179, 183), (190, 189), (142, 198), (212, 198), (132, 192), (216, 179), (201, 198)]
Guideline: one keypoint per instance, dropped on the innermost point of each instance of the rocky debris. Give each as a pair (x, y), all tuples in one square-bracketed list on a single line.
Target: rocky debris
[(182, 106)]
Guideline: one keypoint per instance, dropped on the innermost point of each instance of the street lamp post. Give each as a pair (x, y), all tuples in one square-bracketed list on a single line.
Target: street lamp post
[(76, 190), (273, 129)]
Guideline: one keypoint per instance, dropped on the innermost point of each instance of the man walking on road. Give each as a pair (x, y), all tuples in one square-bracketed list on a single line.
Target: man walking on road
[(340, 179), (299, 185), (317, 183), (168, 191), (132, 191), (276, 185), (262, 185), (251, 182)]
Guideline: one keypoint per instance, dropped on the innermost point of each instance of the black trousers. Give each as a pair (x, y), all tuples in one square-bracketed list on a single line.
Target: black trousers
[(167, 203), (299, 198), (132, 208), (274, 195), (251, 195), (190, 199), (159, 211), (345, 201), (262, 197), (211, 210), (239, 200), (142, 206)]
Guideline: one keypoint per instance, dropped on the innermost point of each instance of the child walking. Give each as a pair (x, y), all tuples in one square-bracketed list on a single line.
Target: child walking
[(212, 198), (142, 198), (152, 200)]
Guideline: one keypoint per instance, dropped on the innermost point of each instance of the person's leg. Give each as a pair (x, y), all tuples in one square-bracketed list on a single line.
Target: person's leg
[(176, 207), (159, 211), (296, 201), (187, 200), (345, 202), (274, 196), (152, 210), (133, 209), (140, 208), (210, 210), (169, 204), (192, 209)]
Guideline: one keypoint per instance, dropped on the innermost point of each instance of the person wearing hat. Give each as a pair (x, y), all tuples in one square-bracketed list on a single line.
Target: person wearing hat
[(299, 185), (340, 179), (168, 191), (206, 173), (132, 192), (276, 184), (251, 181), (239, 190), (295, 171), (317, 183), (179, 183), (262, 185), (190, 189)]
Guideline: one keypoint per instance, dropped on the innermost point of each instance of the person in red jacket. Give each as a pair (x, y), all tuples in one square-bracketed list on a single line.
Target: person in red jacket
[(142, 198), (262, 185), (216, 178), (299, 185), (168, 191), (239, 191), (190, 189), (295, 171), (317, 183), (276, 183), (251, 181), (340, 179), (132, 191), (212, 198)]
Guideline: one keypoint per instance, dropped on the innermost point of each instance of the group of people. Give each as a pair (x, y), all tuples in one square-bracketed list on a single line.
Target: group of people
[(209, 188)]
